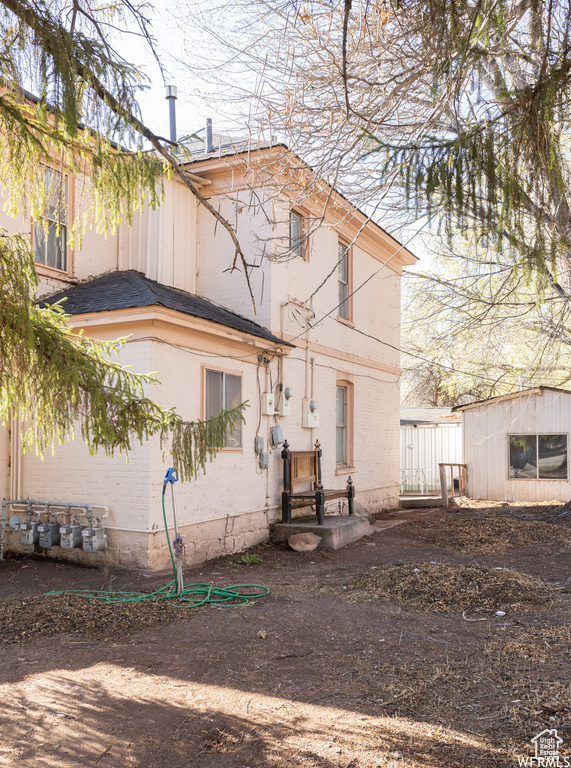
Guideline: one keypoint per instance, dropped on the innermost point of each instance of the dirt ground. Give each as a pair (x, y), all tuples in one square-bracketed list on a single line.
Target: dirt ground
[(443, 640)]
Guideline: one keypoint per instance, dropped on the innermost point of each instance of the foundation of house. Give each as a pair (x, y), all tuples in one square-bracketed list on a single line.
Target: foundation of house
[(337, 530)]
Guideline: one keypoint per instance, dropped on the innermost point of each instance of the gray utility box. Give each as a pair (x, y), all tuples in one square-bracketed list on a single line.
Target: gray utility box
[(29, 533), (94, 539), (49, 535), (71, 537)]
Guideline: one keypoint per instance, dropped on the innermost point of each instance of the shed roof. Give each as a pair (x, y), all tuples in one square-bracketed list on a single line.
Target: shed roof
[(428, 415), (130, 289), (511, 396)]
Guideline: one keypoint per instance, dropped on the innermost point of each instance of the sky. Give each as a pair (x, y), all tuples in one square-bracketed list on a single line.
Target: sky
[(179, 41), (183, 48)]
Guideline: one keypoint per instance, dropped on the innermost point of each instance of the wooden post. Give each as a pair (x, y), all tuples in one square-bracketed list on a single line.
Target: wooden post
[(443, 485)]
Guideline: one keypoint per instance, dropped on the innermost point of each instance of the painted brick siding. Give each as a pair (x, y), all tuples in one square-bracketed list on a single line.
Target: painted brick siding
[(231, 506), (216, 255), (71, 474)]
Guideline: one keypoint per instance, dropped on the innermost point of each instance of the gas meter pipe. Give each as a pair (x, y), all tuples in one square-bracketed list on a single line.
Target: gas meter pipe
[(193, 595)]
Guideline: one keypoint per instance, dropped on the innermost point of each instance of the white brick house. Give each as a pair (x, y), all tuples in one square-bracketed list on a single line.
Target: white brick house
[(210, 351)]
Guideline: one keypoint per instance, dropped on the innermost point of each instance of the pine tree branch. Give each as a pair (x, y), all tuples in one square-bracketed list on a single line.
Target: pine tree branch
[(39, 24)]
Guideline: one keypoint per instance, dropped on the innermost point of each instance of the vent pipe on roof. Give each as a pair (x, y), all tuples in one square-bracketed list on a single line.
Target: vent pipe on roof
[(208, 148), (171, 98)]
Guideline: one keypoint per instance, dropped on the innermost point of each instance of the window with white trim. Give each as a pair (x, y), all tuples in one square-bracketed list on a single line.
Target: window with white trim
[(538, 457), (223, 392), (296, 233), (341, 426), (50, 232), (343, 276)]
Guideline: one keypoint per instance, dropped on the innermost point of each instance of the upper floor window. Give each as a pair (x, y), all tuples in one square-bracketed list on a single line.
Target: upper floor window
[(538, 457), (50, 233), (344, 281), (222, 392), (297, 235)]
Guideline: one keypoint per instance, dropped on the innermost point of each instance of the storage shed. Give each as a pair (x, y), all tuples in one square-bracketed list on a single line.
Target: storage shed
[(428, 436), (516, 445)]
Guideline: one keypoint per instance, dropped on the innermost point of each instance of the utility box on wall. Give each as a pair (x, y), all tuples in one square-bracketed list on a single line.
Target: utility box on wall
[(310, 414), (284, 401), (267, 404)]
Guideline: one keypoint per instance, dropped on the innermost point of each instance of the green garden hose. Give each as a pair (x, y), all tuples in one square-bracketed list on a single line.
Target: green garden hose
[(193, 595)]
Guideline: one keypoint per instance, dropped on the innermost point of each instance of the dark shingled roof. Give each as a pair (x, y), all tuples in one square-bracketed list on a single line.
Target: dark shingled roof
[(125, 290)]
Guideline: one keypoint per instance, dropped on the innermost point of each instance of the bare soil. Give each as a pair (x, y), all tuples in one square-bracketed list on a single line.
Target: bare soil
[(443, 640)]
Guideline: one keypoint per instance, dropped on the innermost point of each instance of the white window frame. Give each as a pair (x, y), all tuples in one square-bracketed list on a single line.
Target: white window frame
[(344, 282), (57, 223), (341, 426), (298, 244), (234, 436)]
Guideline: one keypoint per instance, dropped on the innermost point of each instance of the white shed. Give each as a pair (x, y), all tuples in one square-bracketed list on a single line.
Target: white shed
[(428, 436), (516, 445)]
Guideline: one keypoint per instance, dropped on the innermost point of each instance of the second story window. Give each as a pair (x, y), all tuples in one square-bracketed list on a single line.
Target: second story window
[(50, 233), (343, 280), (222, 392), (297, 235)]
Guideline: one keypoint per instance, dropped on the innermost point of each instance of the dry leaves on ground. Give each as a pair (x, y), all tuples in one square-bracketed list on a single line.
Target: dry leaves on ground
[(48, 615), (446, 588), (493, 535), (540, 645)]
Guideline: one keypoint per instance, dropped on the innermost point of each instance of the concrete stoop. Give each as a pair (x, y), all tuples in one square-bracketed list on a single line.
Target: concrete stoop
[(413, 502), (337, 530)]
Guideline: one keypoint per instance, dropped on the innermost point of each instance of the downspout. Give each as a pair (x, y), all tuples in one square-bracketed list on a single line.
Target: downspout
[(16, 459)]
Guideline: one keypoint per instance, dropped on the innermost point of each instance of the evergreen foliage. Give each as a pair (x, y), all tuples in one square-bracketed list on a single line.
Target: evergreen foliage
[(56, 381), (452, 110), (496, 161)]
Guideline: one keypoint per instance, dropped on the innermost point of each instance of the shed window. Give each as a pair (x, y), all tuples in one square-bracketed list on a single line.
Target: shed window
[(538, 457), (223, 391)]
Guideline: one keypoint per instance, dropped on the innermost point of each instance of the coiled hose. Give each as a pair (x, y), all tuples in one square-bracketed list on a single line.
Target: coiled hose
[(193, 595)]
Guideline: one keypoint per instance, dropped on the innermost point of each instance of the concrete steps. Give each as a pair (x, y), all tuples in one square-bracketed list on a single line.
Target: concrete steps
[(337, 530)]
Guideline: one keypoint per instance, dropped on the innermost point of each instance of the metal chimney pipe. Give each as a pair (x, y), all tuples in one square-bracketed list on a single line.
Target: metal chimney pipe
[(209, 147), (171, 98)]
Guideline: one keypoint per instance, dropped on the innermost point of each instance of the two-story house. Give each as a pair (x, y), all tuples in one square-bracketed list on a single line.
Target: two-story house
[(326, 284)]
